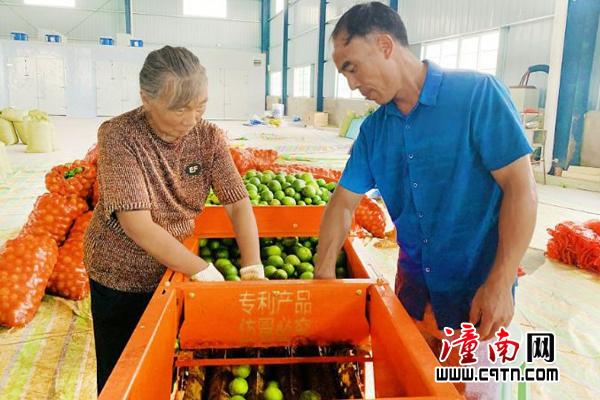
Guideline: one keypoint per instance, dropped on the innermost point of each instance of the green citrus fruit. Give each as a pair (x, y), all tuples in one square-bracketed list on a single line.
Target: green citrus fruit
[(269, 271), (241, 371), (288, 201), (280, 274), (238, 386), (292, 259), (275, 261), (273, 251), (305, 267), (304, 254)]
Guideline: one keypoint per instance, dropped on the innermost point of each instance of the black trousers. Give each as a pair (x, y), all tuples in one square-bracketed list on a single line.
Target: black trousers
[(115, 316)]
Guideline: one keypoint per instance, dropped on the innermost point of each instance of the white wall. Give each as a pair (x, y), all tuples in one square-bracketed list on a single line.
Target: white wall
[(303, 45), (227, 47), (276, 40), (232, 75), (526, 36), (89, 20), (527, 44), (432, 19), (304, 39), (154, 21), (160, 21), (527, 28)]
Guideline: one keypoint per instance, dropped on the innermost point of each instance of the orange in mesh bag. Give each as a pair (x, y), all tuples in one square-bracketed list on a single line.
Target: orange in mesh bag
[(370, 216), (318, 172), (69, 278), (242, 159), (54, 214), (263, 158), (593, 224), (76, 178), (91, 157), (251, 158), (25, 267)]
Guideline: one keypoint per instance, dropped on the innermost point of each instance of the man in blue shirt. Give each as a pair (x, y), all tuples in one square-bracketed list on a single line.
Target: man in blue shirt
[(447, 152)]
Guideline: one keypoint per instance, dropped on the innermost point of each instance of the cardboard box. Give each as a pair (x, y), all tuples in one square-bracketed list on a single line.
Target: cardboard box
[(316, 119)]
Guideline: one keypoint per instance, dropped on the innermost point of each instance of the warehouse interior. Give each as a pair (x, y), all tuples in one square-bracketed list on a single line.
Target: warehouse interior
[(67, 66)]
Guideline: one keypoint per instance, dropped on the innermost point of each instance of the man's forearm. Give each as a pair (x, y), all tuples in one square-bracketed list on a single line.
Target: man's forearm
[(516, 224), (246, 232), (335, 226)]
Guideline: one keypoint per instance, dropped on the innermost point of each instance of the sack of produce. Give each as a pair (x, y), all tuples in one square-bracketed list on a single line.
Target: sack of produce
[(575, 244), (371, 217), (25, 267), (251, 158), (69, 278), (21, 129), (593, 224), (263, 158), (91, 156), (74, 178), (242, 159), (318, 172), (53, 214), (8, 135), (13, 114), (38, 115), (40, 137)]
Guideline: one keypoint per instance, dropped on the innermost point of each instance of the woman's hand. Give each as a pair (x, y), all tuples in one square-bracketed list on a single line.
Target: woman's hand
[(208, 274)]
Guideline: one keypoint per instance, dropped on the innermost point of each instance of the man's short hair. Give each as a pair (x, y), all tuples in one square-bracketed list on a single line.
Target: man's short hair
[(374, 16)]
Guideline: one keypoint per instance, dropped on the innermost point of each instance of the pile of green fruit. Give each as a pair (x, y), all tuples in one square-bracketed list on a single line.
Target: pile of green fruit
[(238, 387), (274, 189), (283, 258)]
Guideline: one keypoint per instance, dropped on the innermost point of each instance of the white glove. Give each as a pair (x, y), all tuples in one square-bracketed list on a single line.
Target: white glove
[(253, 273), (208, 274)]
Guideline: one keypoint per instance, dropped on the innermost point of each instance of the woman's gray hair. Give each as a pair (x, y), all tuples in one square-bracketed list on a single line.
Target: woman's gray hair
[(174, 72)]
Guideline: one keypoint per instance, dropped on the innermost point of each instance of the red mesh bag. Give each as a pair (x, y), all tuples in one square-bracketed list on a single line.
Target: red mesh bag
[(593, 224), (262, 158), (53, 214), (574, 244), (251, 158), (76, 178), (25, 267), (69, 278), (91, 157), (330, 175), (371, 217), (242, 159)]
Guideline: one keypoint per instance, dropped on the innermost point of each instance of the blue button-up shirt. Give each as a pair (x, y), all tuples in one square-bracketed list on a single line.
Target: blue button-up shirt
[(432, 168)]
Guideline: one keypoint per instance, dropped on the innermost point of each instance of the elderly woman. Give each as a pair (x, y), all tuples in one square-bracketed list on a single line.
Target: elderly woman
[(157, 164)]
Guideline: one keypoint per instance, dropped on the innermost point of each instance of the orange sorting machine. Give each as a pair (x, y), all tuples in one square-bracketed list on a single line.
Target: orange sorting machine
[(361, 311)]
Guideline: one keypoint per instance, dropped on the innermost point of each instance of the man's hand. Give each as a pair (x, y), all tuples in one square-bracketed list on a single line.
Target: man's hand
[(325, 272), (492, 308)]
